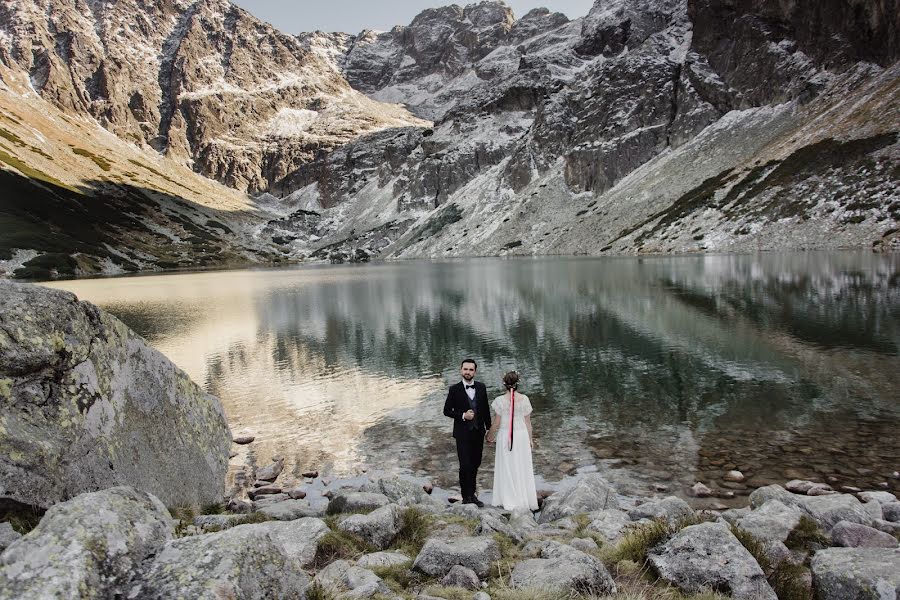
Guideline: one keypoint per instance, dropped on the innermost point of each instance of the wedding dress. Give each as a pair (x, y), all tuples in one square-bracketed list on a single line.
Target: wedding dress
[(513, 469)]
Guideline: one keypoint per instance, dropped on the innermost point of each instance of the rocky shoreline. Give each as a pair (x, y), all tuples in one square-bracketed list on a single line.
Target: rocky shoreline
[(396, 537)]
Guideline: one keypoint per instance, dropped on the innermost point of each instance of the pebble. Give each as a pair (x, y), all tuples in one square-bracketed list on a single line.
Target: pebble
[(310, 474), (296, 494), (661, 488), (428, 488), (735, 476), (243, 439), (883, 485), (265, 490), (700, 491), (850, 489)]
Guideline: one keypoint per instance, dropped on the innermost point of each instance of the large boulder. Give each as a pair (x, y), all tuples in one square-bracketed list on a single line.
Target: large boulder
[(708, 556), (856, 574), (562, 570), (772, 522), (247, 561), (854, 535), (671, 509), (88, 405), (591, 492), (438, 556), (378, 528), (95, 541), (491, 524)]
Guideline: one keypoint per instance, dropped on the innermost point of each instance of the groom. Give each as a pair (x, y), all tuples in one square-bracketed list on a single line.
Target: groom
[(467, 405)]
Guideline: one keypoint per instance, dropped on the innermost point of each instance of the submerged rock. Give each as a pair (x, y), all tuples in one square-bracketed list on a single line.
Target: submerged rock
[(95, 541), (88, 405)]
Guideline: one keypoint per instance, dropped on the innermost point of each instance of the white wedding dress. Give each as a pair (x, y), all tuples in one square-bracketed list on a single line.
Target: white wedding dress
[(513, 470)]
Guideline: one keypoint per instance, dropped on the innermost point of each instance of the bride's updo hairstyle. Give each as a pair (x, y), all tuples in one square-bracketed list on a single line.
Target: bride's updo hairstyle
[(511, 380)]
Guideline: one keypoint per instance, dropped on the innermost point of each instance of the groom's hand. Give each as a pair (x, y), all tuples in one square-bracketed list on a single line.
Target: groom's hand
[(469, 415)]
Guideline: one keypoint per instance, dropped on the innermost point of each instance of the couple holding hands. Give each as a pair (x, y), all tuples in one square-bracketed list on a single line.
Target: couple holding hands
[(509, 426)]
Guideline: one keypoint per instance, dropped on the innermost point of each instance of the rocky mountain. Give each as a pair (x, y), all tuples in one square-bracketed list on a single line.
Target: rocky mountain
[(645, 126)]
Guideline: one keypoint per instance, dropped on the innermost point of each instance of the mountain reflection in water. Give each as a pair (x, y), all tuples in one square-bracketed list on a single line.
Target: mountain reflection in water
[(661, 371)]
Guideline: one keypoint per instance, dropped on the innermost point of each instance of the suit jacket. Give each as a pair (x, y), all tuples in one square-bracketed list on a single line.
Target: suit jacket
[(457, 403)]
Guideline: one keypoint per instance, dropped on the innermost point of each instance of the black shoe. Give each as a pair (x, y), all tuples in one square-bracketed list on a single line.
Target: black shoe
[(474, 500)]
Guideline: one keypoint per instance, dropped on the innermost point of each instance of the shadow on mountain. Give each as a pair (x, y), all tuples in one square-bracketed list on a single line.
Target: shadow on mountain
[(109, 226)]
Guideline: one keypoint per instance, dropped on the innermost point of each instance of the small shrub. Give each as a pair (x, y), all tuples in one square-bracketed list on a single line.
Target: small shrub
[(790, 581), (509, 556), (336, 545), (414, 528), (807, 536), (21, 517), (317, 592), (640, 539), (753, 546), (215, 508), (450, 593)]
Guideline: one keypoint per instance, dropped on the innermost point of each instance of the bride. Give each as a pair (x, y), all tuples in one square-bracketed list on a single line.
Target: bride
[(511, 429)]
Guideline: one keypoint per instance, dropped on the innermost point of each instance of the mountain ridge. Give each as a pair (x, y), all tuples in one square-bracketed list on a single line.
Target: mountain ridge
[(648, 126)]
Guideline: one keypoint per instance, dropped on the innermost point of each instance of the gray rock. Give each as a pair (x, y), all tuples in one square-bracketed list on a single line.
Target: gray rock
[(873, 509), (243, 439), (733, 515), (801, 486), (217, 522), (383, 559), (700, 490), (891, 511), (95, 541), (378, 528), (356, 502), (270, 500), (8, 535), (886, 526), (88, 405), (288, 510), (610, 523), (708, 556), (590, 493), (298, 538), (584, 544), (399, 490), (462, 577), (215, 565), (776, 552), (773, 521), (469, 511), (481, 596), (856, 574), (877, 497), (491, 524), (522, 519), (566, 523), (265, 490), (563, 569), (671, 509), (854, 535), (296, 494), (239, 505), (438, 556), (271, 471), (828, 511), (349, 581), (760, 496)]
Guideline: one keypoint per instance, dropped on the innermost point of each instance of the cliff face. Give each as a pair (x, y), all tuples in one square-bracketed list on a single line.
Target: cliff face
[(201, 81), (645, 126)]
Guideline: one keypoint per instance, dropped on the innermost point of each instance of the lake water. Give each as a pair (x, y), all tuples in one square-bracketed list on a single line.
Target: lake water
[(658, 371)]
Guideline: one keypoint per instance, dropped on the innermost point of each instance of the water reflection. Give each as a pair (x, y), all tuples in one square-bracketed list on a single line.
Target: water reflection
[(662, 371)]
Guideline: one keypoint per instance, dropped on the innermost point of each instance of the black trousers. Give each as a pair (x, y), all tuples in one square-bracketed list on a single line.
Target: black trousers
[(469, 447)]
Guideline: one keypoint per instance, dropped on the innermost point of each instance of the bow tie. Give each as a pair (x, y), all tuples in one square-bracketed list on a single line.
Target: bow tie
[(470, 387)]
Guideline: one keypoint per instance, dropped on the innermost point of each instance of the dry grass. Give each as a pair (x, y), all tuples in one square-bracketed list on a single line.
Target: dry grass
[(414, 529)]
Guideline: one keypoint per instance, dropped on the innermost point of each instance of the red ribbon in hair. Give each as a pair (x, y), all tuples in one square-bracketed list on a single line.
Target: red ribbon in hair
[(512, 415)]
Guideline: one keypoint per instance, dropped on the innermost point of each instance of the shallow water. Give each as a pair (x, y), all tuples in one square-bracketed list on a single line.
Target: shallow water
[(659, 371)]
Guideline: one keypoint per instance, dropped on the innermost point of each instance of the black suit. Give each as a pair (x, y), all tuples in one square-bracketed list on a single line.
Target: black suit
[(469, 434)]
